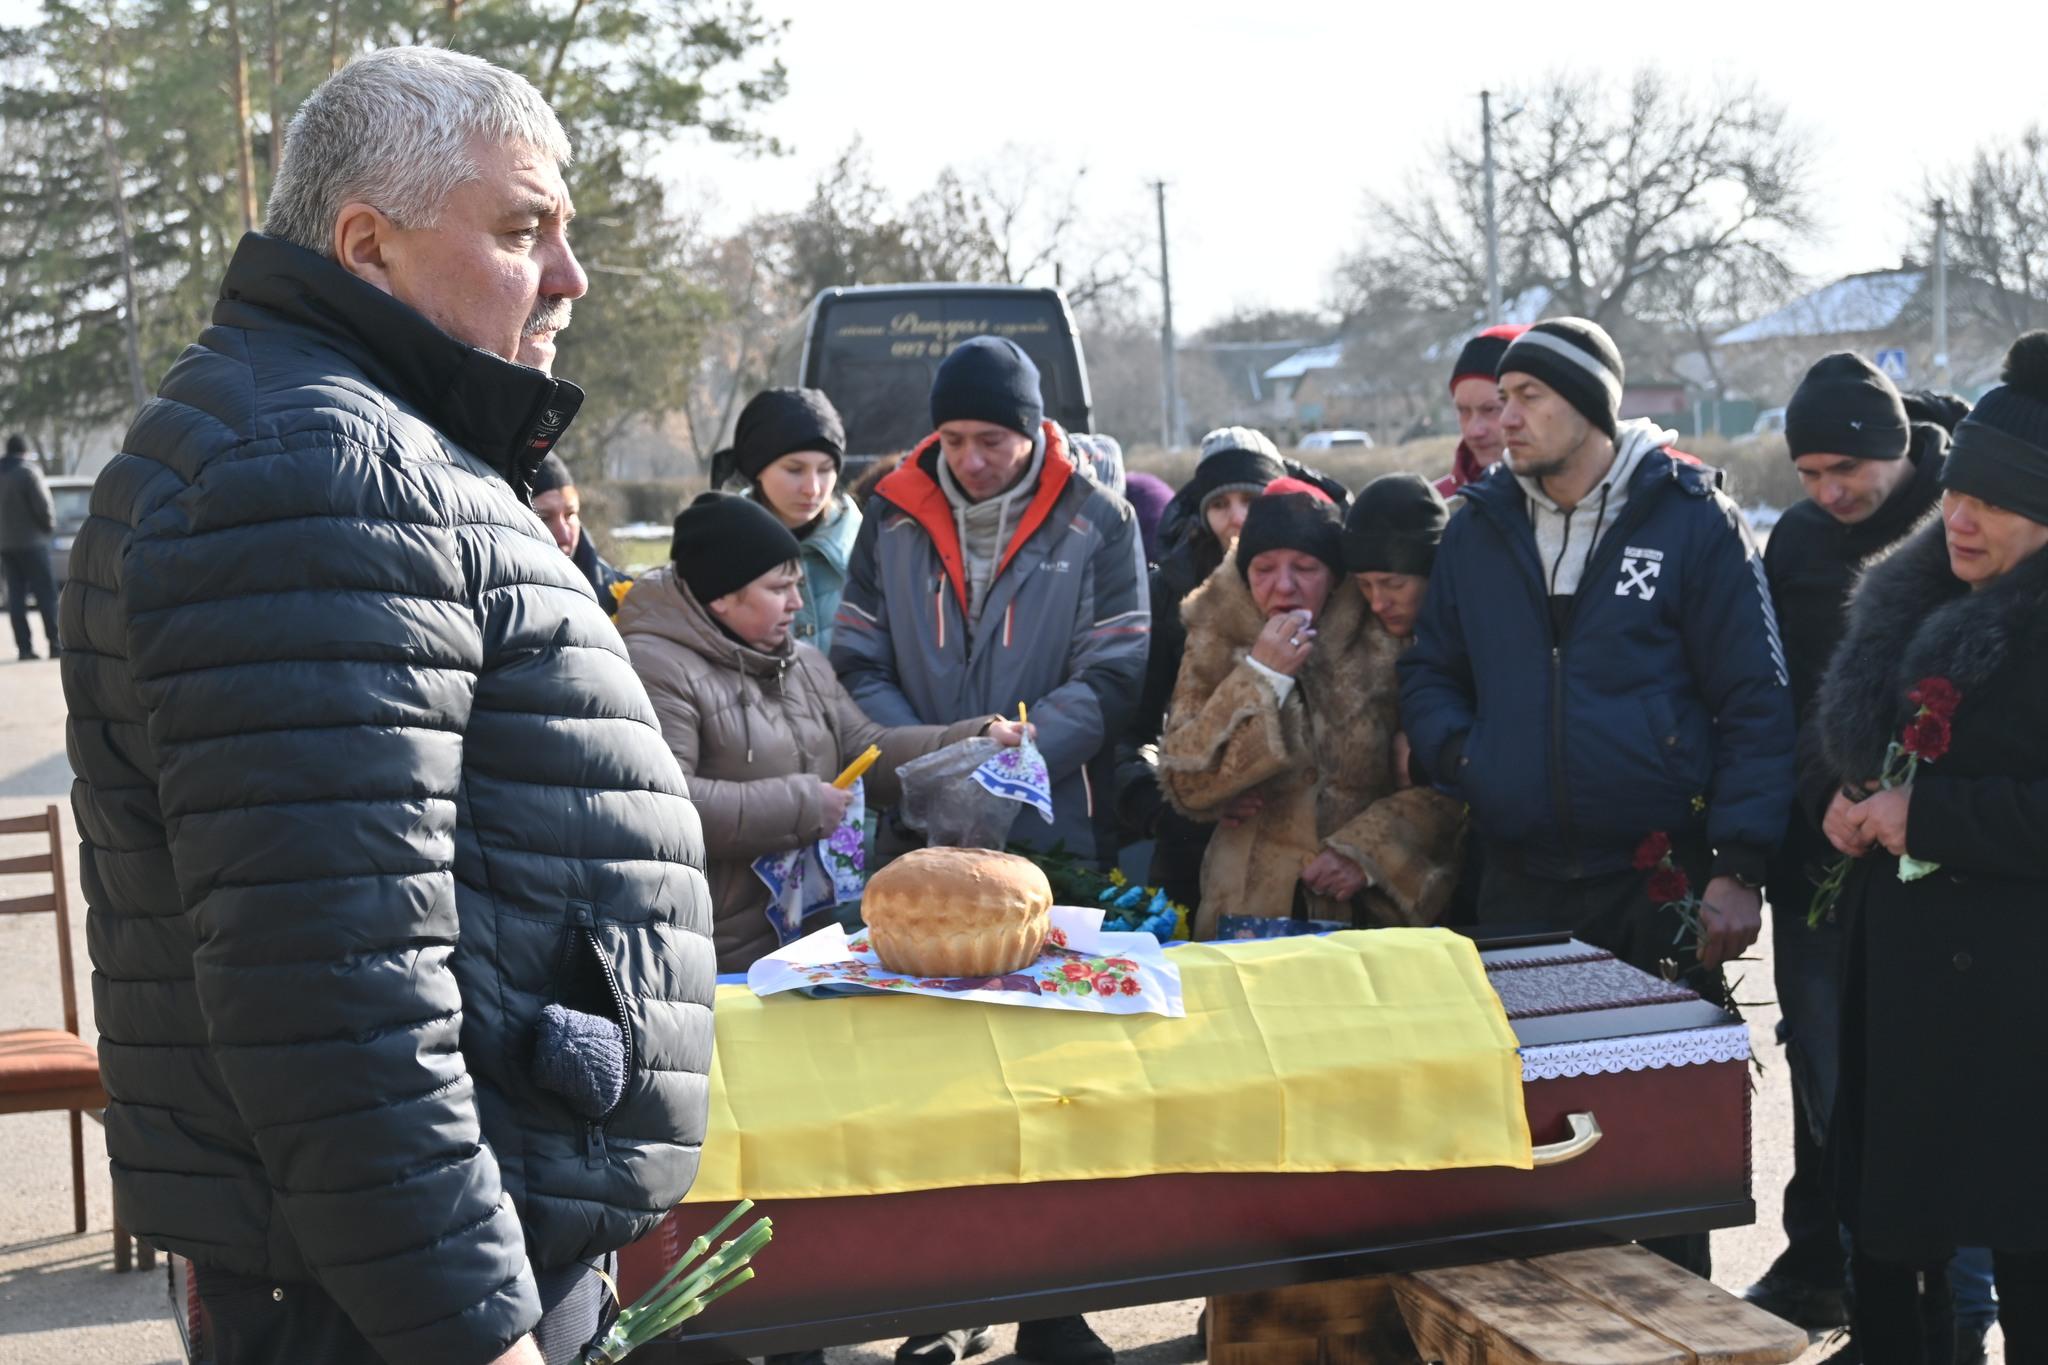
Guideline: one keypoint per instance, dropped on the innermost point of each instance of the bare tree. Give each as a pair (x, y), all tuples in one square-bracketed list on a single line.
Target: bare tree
[(1604, 195), (1998, 230)]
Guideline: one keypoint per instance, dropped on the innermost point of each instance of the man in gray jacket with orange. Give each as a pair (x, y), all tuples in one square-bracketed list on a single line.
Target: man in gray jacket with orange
[(991, 570)]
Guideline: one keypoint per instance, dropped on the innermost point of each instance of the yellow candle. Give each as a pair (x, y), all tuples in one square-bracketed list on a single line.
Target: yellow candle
[(857, 767)]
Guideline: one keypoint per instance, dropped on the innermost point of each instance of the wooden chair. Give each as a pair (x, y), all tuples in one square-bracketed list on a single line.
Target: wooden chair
[(44, 1069)]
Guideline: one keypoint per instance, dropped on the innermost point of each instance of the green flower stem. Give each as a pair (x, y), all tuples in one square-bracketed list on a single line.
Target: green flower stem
[(684, 1292)]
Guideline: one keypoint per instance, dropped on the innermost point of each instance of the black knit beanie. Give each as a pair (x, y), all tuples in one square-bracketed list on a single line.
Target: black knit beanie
[(988, 379), (724, 542), (1291, 520), (1394, 526), (552, 473), (777, 421), (1846, 406), (17, 444), (1578, 359), (2001, 449)]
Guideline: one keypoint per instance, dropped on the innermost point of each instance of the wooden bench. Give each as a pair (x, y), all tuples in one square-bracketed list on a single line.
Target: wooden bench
[(1612, 1306)]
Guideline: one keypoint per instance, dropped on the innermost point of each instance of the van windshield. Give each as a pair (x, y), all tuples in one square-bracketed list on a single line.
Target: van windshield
[(874, 356)]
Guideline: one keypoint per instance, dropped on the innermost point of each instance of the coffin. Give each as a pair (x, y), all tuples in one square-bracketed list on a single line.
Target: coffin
[(1637, 1095)]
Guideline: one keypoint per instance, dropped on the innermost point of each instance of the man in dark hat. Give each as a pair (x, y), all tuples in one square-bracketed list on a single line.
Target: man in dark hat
[(557, 503), (1040, 599), (28, 519), (1597, 661), (1872, 474)]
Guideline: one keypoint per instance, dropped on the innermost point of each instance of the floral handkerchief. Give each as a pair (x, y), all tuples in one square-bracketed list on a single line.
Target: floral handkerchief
[(1082, 968), (804, 881), (1018, 774)]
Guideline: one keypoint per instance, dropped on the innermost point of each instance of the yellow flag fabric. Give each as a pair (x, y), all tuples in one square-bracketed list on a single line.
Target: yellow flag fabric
[(1381, 1050)]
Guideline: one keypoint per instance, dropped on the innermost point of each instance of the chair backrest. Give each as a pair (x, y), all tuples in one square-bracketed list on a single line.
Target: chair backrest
[(51, 860)]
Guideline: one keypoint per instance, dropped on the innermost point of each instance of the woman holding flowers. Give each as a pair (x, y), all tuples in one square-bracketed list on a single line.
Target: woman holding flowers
[(1934, 738), (757, 720)]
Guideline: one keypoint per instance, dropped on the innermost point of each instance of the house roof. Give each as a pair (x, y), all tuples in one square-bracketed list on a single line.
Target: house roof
[(1325, 357), (1859, 303)]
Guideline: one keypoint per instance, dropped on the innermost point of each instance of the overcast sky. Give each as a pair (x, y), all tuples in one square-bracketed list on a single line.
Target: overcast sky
[(1272, 121)]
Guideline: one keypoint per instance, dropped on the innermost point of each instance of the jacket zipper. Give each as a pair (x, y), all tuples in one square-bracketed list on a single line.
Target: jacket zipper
[(1638, 512), (594, 1153)]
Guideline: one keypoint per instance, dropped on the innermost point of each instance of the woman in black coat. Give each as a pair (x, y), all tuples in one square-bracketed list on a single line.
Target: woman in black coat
[(1938, 1126)]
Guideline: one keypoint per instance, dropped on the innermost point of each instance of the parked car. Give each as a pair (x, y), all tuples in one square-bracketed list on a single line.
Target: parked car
[(874, 348), (71, 494), (1333, 440)]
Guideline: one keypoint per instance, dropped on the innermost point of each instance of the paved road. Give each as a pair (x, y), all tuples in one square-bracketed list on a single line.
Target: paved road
[(60, 1301)]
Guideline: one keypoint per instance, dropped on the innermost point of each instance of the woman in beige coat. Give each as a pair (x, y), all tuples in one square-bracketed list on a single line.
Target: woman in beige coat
[(758, 721), (1282, 727)]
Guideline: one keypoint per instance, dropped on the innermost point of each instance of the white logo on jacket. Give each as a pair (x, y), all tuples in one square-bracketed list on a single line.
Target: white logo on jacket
[(1639, 569)]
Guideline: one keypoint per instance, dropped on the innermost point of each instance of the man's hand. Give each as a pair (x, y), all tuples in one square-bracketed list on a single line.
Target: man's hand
[(1732, 915), (1240, 808), (1881, 819), (1402, 753), (1284, 644), (1843, 828), (835, 801), (1332, 874), (523, 1352)]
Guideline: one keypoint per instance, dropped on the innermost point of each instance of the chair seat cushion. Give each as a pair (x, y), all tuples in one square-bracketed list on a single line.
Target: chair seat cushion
[(37, 1059)]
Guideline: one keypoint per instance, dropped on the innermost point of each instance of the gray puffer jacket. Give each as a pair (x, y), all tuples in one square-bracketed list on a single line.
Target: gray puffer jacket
[(365, 781)]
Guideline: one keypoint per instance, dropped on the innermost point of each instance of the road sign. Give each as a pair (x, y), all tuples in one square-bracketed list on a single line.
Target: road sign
[(1892, 360)]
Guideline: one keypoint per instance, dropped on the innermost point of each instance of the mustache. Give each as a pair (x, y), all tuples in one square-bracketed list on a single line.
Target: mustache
[(549, 315)]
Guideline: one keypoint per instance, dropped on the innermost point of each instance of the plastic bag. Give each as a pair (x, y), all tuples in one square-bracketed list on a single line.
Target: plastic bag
[(941, 797)]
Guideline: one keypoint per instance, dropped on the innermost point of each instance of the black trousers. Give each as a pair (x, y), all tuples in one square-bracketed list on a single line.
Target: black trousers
[(1611, 911), (29, 574), (1905, 1314), (263, 1322)]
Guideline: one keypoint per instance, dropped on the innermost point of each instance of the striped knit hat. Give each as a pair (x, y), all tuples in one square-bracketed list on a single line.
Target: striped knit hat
[(1578, 359)]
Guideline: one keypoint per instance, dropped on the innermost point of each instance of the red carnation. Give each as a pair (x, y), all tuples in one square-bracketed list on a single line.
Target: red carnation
[(1668, 885), (1927, 736), (1129, 986), (1652, 851), (1937, 695), (1104, 984)]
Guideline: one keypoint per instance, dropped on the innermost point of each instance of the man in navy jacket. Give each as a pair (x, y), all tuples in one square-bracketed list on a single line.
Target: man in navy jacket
[(1598, 661)]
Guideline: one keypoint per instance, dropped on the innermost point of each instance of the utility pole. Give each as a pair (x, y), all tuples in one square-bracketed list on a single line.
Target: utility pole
[(1941, 380), (1169, 383), (1492, 217)]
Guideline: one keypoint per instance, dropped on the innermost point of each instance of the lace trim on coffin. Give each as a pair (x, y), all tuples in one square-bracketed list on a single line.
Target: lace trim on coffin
[(1643, 1052)]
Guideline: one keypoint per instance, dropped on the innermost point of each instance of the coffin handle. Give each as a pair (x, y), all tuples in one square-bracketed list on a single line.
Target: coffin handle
[(1585, 1136)]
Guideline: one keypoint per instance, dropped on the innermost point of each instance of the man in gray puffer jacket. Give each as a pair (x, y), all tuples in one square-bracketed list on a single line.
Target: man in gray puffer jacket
[(366, 780)]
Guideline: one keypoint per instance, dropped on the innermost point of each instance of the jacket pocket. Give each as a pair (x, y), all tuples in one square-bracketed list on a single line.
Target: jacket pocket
[(575, 1056)]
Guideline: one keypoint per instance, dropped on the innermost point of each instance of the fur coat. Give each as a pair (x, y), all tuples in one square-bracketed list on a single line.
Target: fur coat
[(1938, 1118), (1323, 760)]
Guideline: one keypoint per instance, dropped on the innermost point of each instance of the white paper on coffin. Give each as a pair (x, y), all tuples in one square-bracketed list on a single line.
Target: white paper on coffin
[(1084, 969)]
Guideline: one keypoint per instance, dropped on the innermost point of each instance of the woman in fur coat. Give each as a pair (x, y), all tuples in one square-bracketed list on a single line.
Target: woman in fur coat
[(1937, 1132), (1281, 729)]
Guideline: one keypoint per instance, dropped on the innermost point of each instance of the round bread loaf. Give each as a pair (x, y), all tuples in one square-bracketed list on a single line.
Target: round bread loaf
[(957, 912)]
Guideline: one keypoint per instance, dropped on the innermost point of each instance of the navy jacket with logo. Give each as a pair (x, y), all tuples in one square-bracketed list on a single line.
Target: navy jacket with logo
[(1660, 705)]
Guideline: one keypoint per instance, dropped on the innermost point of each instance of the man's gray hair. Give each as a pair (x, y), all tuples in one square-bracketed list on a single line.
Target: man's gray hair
[(393, 129)]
